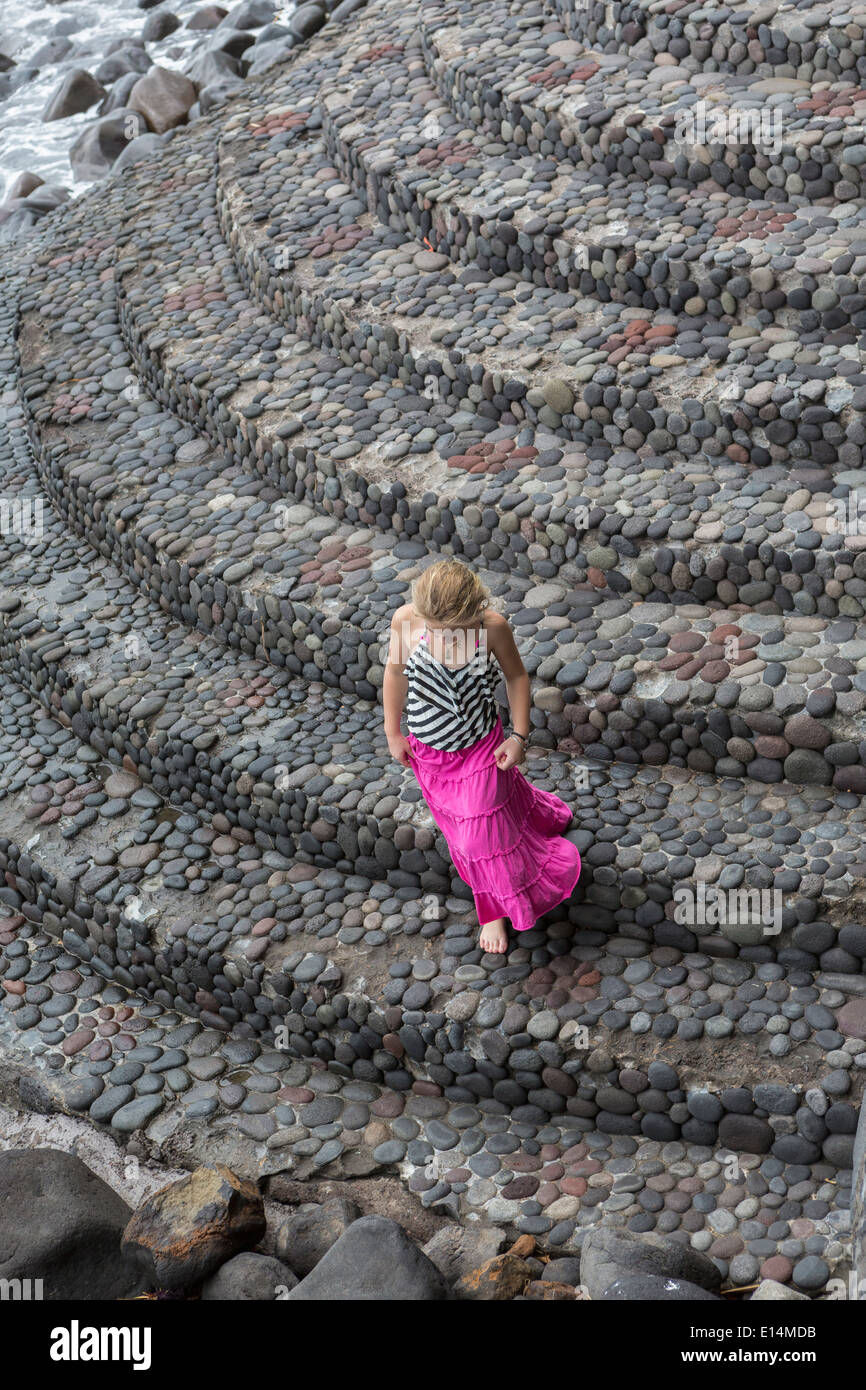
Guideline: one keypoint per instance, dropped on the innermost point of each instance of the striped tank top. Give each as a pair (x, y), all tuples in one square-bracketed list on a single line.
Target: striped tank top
[(450, 707)]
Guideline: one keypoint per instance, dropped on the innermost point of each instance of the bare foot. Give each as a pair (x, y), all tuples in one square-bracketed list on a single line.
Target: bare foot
[(493, 937)]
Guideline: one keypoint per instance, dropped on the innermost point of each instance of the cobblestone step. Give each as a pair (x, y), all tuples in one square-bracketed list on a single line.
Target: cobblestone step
[(184, 910), (374, 313), (802, 43), (810, 548), (476, 213), (280, 766), (651, 678), (186, 1089), (363, 289), (626, 114)]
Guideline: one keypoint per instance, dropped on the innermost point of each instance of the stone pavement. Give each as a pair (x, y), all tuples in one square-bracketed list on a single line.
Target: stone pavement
[(456, 280)]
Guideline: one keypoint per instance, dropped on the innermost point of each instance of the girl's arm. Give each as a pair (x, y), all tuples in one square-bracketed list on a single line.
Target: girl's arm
[(395, 682), (500, 642)]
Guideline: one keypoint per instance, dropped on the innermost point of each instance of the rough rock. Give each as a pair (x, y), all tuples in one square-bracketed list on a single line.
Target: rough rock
[(78, 91), (458, 1250), (101, 144), (505, 1276), (608, 1255), (163, 97), (307, 1235), (771, 1291), (187, 1229)]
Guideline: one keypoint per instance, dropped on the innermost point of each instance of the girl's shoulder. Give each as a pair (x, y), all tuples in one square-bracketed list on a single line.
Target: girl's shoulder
[(404, 619), (494, 621), (405, 627), (496, 625)]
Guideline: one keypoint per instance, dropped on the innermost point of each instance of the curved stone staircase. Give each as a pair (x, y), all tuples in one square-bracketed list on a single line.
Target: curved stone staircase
[(457, 280)]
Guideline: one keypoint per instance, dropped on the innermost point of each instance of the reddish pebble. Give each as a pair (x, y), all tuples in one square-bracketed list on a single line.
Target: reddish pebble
[(298, 1095), (687, 641), (390, 1104), (552, 1172), (520, 1188), (715, 671), (524, 1163), (777, 1267), (802, 1228), (585, 1167), (64, 980), (574, 1154), (573, 1187)]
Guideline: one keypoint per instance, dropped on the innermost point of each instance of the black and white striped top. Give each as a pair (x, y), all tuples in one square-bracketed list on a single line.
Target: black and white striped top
[(450, 707)]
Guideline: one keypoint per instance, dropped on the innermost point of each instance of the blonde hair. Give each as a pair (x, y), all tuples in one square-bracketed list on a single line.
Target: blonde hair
[(449, 592)]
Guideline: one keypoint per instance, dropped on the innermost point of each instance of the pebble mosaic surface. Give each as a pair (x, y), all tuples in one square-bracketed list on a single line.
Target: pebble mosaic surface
[(462, 280)]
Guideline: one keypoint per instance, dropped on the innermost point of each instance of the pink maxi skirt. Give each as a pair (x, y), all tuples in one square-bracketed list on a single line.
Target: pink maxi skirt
[(504, 834)]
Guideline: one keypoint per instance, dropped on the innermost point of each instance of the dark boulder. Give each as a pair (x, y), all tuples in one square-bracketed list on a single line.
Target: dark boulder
[(610, 1255), (97, 147), (78, 91), (249, 1276), (62, 1224), (308, 1234), (307, 20), (373, 1261), (159, 26), (655, 1288), (208, 17), (163, 97)]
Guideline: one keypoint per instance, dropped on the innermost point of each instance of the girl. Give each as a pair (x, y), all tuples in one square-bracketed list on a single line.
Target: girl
[(504, 834)]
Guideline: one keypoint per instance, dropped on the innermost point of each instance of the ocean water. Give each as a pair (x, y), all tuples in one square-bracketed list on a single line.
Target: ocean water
[(26, 142)]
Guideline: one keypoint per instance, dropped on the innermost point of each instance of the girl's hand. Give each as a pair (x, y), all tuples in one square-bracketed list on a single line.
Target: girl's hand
[(509, 754), (400, 749)]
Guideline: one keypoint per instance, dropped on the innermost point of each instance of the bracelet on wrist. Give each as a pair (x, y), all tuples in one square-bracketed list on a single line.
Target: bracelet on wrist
[(515, 734)]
